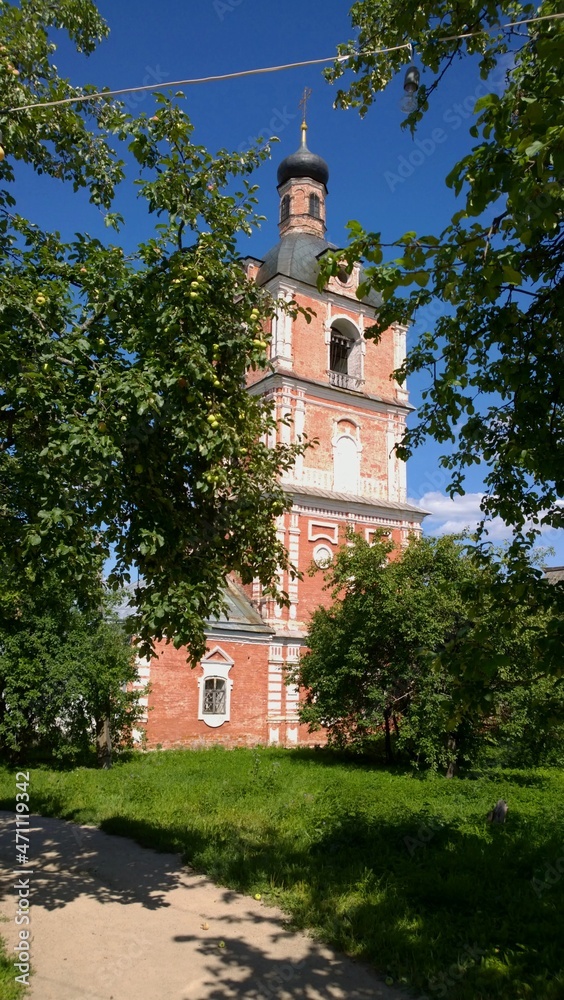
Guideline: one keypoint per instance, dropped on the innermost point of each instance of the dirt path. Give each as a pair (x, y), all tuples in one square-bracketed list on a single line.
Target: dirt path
[(113, 921)]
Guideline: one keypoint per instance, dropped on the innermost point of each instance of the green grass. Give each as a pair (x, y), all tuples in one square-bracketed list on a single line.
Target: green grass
[(451, 911), (9, 989)]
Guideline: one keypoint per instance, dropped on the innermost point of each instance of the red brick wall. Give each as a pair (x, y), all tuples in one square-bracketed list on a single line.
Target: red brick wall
[(175, 693)]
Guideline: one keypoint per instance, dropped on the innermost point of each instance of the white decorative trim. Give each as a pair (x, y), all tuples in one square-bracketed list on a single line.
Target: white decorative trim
[(348, 484), (346, 418), (273, 380), (322, 556), (217, 655), (342, 316), (275, 678), (369, 532), (329, 531), (356, 509), (356, 518)]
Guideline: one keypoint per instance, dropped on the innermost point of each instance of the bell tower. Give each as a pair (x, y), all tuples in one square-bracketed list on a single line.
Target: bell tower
[(330, 384)]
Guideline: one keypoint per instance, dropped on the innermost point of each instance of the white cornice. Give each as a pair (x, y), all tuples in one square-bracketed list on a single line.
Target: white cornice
[(399, 515), (348, 301), (287, 380)]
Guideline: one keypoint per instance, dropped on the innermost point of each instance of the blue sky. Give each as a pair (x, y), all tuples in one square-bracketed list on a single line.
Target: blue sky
[(379, 175)]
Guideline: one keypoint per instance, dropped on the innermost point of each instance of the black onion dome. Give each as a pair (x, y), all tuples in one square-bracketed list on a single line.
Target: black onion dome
[(303, 163)]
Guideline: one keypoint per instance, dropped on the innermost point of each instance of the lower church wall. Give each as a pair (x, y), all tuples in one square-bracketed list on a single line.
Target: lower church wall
[(175, 713)]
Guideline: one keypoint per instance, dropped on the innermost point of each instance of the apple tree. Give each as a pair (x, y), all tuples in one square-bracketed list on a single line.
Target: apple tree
[(125, 427), (494, 358), (416, 646)]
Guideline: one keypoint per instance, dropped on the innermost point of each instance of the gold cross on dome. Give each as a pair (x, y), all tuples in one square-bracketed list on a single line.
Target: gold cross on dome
[(303, 102)]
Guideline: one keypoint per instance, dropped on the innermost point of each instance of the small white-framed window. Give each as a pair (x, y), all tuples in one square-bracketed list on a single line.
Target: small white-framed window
[(215, 685)]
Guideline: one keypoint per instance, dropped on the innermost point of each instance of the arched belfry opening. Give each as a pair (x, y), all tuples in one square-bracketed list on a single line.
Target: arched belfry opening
[(285, 208), (345, 355)]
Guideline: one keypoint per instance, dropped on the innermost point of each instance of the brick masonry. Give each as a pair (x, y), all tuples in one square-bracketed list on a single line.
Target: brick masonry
[(351, 478)]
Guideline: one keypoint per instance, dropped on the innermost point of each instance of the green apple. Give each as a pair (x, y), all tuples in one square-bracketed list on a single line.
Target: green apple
[(139, 468), (40, 300)]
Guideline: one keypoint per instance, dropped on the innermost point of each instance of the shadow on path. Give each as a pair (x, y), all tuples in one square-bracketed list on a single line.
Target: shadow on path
[(113, 921)]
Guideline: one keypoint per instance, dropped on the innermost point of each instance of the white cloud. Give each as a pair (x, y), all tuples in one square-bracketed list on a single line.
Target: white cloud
[(462, 513)]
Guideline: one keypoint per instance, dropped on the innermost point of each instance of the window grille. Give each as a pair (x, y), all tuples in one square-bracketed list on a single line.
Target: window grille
[(339, 356), (285, 208), (214, 696)]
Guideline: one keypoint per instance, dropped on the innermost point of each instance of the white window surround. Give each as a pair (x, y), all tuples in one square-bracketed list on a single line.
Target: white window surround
[(217, 664), (343, 326)]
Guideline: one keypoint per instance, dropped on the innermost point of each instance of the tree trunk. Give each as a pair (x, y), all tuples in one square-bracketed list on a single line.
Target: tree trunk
[(452, 769), (103, 743), (388, 741), (396, 727)]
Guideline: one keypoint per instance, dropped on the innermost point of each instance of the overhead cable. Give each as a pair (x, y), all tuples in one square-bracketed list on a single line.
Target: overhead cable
[(80, 98)]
